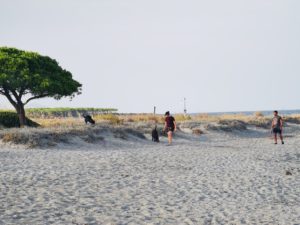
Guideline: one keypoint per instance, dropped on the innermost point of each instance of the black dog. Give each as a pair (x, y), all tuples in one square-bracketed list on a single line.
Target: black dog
[(155, 136), (88, 119)]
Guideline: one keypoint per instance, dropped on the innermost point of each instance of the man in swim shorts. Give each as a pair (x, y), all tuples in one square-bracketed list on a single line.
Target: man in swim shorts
[(277, 125)]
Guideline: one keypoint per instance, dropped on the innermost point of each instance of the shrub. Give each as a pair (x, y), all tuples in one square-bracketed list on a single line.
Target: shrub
[(261, 122), (258, 114), (233, 125), (129, 120), (197, 131), (112, 118), (227, 125), (9, 137), (182, 117), (292, 119), (10, 119)]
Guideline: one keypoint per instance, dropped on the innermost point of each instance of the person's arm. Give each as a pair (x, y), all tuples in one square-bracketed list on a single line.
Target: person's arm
[(272, 125), (281, 123), (165, 128)]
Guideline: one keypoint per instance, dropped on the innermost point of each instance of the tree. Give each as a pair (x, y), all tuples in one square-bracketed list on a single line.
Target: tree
[(25, 76)]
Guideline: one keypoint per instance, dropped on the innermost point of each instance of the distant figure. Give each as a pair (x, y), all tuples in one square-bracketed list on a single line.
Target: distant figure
[(170, 126), (88, 119), (277, 125), (155, 136)]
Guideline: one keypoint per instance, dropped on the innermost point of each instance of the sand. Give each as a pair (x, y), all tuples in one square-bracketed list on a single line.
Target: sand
[(217, 178)]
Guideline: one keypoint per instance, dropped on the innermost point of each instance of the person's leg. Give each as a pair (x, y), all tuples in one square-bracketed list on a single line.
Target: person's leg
[(170, 137), (275, 137), (281, 137)]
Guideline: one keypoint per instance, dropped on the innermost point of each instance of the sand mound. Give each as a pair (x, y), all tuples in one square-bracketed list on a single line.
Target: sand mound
[(218, 178), (45, 137), (227, 126)]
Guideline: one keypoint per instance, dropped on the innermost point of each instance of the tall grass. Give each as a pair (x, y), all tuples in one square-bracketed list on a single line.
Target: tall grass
[(72, 117), (111, 118), (129, 118), (66, 112), (215, 118), (258, 114), (182, 117), (60, 122), (145, 117)]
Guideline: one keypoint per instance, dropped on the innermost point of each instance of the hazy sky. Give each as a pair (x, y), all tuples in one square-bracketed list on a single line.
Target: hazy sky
[(134, 54)]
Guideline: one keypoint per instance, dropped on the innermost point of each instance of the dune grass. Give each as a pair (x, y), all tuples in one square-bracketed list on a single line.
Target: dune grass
[(66, 112), (72, 117), (59, 122), (61, 129), (116, 119)]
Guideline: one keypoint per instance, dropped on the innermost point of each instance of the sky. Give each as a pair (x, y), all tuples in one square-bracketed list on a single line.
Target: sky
[(233, 55)]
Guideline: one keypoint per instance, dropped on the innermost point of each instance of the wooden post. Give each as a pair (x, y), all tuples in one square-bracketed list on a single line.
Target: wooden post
[(184, 109)]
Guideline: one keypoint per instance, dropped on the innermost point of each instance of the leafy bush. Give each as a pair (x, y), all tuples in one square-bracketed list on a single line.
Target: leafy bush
[(10, 119)]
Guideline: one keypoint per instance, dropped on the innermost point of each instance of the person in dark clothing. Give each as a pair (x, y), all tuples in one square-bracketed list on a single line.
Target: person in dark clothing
[(170, 126), (277, 125), (88, 119)]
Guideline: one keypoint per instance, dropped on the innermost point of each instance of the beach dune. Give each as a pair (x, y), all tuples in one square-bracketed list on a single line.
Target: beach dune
[(214, 178)]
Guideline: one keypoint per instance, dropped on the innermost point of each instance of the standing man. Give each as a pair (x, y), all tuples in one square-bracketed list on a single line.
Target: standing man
[(170, 126), (277, 125)]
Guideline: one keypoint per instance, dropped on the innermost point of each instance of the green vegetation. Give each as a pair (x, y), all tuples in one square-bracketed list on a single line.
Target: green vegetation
[(66, 112), (25, 76), (10, 119)]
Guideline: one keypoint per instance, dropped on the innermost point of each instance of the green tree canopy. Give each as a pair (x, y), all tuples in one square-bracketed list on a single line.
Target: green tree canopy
[(25, 76)]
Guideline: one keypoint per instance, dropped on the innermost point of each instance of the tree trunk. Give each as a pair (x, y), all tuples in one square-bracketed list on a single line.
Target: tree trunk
[(21, 114)]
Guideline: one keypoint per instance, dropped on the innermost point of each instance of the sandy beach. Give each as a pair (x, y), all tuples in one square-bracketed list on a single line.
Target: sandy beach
[(215, 178), (88, 87)]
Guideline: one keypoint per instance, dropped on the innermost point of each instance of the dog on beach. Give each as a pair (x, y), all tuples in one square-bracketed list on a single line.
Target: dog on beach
[(155, 136), (88, 119)]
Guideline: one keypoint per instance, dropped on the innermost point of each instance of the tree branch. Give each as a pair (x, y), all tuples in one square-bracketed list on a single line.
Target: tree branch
[(36, 97), (7, 95), (21, 92), (14, 93)]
